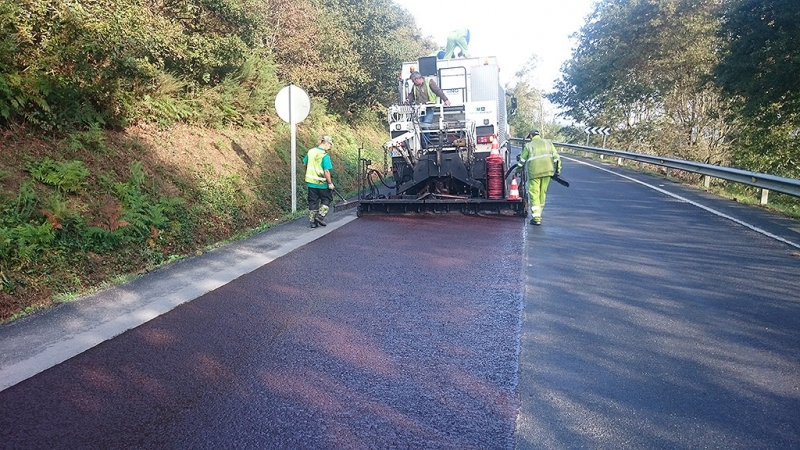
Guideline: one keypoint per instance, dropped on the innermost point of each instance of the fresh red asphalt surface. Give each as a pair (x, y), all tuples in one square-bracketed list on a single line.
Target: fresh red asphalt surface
[(390, 332)]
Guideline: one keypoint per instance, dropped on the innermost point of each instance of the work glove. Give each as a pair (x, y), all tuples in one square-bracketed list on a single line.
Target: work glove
[(558, 168), (519, 169)]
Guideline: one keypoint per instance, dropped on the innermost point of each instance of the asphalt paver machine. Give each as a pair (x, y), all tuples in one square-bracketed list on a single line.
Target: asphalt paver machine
[(457, 163)]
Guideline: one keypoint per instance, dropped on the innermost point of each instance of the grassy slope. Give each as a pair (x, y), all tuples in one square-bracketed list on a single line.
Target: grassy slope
[(232, 181)]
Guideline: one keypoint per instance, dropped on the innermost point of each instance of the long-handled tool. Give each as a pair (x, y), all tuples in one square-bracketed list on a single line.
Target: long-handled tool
[(340, 195), (557, 178), (344, 204)]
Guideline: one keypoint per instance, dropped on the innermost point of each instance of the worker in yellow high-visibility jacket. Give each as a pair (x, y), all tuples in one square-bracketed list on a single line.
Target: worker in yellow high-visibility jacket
[(540, 160), (318, 180)]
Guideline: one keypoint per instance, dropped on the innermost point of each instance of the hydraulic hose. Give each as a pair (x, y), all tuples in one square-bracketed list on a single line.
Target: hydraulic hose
[(510, 169), (374, 192), (383, 181)]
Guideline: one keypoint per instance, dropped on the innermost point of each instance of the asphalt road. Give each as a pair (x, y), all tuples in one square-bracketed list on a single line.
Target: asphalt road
[(391, 332), (641, 314), (654, 322)]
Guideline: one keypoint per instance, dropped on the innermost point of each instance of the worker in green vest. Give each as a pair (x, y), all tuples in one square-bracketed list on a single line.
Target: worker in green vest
[(318, 179), (540, 160)]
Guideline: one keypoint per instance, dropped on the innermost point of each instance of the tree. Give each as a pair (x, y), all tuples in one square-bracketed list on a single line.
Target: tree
[(313, 50), (74, 64), (530, 100), (762, 59), (642, 67), (758, 72), (383, 36)]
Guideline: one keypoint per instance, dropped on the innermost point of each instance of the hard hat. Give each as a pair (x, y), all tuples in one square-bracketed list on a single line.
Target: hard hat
[(327, 139), (415, 75), (440, 55), (534, 132)]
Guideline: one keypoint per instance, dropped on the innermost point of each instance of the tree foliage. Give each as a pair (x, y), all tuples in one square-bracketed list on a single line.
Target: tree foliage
[(707, 80), (75, 63), (762, 59), (758, 72), (383, 36), (642, 67), (530, 111)]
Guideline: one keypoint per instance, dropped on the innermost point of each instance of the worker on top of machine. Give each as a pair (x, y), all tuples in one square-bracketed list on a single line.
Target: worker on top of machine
[(541, 161), (457, 38), (425, 91)]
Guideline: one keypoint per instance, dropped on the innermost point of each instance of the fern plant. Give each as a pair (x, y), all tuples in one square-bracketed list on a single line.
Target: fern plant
[(29, 241), (142, 214), (134, 202), (102, 240), (20, 209), (93, 139), (109, 231), (57, 211), (68, 176)]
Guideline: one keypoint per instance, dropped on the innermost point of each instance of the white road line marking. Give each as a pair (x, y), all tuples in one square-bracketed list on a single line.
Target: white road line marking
[(711, 210)]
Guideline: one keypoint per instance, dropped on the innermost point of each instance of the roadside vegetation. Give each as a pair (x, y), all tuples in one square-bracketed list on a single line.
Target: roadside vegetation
[(703, 80)]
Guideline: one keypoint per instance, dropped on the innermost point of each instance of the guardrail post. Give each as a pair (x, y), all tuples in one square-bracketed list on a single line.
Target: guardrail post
[(619, 161), (706, 181), (764, 196)]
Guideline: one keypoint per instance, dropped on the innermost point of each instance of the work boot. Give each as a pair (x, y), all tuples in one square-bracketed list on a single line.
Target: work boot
[(536, 222), (320, 220), (313, 224)]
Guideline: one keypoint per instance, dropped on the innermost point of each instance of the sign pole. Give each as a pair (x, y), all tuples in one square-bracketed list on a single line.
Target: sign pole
[(293, 140)]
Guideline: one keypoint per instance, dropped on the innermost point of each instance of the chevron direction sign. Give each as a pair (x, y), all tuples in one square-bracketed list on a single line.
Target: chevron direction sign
[(598, 130)]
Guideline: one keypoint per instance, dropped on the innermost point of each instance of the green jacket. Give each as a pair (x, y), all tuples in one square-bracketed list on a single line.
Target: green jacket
[(541, 158)]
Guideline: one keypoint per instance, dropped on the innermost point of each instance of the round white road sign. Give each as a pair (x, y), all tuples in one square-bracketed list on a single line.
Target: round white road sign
[(292, 104)]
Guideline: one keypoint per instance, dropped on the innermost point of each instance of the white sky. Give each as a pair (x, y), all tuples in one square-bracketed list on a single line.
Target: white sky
[(511, 30)]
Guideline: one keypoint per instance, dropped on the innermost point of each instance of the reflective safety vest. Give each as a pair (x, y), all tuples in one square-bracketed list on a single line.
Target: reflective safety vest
[(420, 91), (315, 174), (540, 156)]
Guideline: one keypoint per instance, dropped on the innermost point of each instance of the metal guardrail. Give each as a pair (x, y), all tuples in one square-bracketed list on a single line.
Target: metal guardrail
[(764, 181)]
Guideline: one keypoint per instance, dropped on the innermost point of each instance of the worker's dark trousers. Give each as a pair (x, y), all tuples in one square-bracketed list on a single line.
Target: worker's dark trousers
[(319, 200)]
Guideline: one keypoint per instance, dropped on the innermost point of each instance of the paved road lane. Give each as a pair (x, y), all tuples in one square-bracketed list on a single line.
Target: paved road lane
[(388, 332), (648, 323), (652, 323)]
